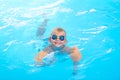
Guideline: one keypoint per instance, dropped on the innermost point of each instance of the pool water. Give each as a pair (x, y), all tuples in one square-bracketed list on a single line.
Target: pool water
[(91, 25)]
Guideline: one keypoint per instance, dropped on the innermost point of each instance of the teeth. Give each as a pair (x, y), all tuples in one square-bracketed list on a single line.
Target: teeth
[(57, 43)]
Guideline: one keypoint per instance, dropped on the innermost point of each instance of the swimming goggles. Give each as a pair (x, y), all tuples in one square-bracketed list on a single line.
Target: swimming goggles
[(54, 37)]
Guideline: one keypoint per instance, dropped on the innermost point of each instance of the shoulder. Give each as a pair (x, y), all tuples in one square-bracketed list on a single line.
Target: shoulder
[(67, 49), (48, 49)]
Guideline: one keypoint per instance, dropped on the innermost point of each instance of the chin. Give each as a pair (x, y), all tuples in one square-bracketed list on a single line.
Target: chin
[(58, 45)]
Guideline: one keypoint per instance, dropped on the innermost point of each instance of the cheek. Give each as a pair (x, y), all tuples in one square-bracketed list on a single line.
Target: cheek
[(52, 41), (63, 42)]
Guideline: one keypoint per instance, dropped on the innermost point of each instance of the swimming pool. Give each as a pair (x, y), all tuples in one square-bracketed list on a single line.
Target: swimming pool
[(91, 25)]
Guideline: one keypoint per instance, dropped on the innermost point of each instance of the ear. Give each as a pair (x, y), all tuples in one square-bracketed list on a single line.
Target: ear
[(65, 41), (49, 39)]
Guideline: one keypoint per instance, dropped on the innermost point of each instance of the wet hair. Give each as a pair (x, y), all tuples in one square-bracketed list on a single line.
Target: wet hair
[(59, 30)]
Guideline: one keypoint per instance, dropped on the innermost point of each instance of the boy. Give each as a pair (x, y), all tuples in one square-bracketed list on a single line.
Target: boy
[(58, 41)]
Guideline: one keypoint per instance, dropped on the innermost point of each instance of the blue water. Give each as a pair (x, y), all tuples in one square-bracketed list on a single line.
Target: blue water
[(91, 25)]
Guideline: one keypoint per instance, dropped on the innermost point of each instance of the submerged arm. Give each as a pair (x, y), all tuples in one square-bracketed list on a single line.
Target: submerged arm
[(41, 29), (44, 23)]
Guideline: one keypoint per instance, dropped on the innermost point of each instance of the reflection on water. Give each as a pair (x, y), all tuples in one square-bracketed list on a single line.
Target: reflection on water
[(92, 26)]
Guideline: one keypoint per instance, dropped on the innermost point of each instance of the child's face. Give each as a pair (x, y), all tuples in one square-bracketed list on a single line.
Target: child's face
[(58, 39)]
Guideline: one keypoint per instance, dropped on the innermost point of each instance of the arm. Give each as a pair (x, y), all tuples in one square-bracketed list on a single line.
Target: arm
[(40, 56), (76, 56)]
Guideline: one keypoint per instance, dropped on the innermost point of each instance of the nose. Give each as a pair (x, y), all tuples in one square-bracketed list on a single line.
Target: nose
[(57, 38)]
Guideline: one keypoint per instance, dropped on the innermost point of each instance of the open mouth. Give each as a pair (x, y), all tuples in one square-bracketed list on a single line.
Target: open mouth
[(57, 44)]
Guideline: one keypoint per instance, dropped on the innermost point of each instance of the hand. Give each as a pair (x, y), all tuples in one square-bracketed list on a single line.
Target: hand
[(76, 55), (38, 59), (40, 56)]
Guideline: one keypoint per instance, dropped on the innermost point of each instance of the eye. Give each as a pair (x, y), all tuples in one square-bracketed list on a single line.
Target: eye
[(54, 37), (61, 38)]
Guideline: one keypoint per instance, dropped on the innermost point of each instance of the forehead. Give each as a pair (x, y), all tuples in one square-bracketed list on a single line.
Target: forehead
[(58, 32)]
